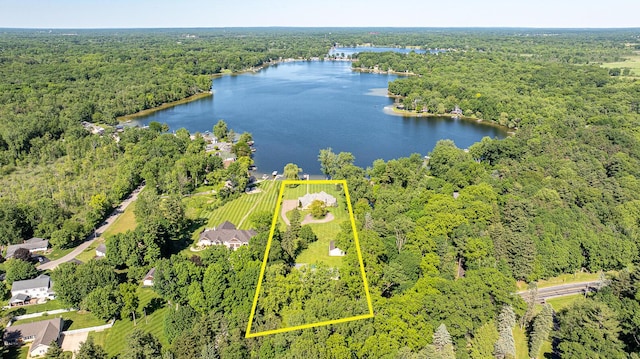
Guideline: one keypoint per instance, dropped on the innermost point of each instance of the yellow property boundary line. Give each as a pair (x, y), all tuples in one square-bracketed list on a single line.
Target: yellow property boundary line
[(276, 214)]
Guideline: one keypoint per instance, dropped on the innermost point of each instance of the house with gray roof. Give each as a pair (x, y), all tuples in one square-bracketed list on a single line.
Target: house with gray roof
[(101, 250), (226, 235), (40, 287), (33, 245), (41, 333), (328, 200)]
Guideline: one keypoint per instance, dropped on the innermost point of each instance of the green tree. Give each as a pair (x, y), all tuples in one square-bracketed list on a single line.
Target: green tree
[(318, 209), (542, 325), (589, 329), (104, 302), (142, 345), (483, 341), (54, 351), (220, 130), (505, 347), (90, 350), (19, 270), (130, 300), (291, 171)]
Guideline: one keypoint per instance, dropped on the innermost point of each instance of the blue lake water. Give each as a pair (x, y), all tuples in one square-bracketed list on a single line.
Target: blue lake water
[(295, 109)]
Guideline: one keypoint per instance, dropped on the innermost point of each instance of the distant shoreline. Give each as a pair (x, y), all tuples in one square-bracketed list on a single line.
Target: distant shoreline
[(392, 110), (164, 106)]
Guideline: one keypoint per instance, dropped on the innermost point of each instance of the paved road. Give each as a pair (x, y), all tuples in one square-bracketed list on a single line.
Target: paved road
[(563, 290), (91, 238)]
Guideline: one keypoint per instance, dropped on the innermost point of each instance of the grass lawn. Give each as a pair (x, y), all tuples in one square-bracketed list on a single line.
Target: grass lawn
[(37, 308), (73, 320), (631, 62), (90, 252), (57, 253), (522, 348), (114, 340), (126, 221), (563, 302), (237, 211), (326, 232)]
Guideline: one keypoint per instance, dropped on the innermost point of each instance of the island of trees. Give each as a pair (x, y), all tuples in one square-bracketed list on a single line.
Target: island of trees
[(444, 239)]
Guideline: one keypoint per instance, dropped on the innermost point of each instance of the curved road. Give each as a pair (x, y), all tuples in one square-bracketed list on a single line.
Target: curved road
[(91, 238)]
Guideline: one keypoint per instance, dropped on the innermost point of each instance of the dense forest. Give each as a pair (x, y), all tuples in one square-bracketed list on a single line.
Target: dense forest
[(443, 241)]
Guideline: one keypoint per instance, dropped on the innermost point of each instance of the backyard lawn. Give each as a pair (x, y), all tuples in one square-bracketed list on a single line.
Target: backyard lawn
[(326, 232), (72, 320), (114, 340), (237, 211), (37, 308)]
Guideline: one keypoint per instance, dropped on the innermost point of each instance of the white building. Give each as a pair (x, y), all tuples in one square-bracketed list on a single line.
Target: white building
[(335, 251), (40, 287)]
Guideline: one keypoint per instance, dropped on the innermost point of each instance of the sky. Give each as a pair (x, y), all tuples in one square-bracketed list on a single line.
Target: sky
[(49, 14)]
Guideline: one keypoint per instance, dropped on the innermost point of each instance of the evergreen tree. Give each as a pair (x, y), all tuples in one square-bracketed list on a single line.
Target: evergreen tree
[(90, 350), (442, 342), (542, 325), (505, 347), (54, 351)]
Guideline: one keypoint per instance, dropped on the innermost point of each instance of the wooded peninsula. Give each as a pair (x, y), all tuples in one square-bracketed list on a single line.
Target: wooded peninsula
[(446, 240)]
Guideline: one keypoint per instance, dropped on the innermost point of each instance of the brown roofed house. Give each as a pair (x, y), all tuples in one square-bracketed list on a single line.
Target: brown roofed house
[(227, 235), (42, 333)]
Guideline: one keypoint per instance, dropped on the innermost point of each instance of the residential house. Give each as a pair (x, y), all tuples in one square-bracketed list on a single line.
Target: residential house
[(328, 200), (227, 235), (101, 250), (33, 245), (148, 279), (335, 251), (42, 333), (40, 288)]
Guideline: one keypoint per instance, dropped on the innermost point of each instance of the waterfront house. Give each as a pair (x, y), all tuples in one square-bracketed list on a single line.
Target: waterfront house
[(226, 235), (306, 200)]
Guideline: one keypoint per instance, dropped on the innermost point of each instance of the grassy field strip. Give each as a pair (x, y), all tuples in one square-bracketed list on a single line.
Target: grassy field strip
[(73, 320), (114, 340), (632, 63), (126, 221), (242, 207), (563, 279)]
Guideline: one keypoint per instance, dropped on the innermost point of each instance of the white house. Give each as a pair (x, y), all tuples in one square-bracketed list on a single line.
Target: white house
[(328, 200), (42, 333), (101, 250), (148, 279), (335, 251), (40, 287)]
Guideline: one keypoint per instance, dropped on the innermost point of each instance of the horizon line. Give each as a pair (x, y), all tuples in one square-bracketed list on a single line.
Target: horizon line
[(323, 27)]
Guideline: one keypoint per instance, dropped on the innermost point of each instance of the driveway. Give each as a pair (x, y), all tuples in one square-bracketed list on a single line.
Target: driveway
[(91, 238), (71, 342)]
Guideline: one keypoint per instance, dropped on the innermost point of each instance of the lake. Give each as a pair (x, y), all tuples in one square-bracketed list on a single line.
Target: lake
[(295, 109)]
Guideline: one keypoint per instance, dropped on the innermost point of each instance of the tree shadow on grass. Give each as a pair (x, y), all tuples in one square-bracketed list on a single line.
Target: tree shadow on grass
[(185, 240), (153, 305)]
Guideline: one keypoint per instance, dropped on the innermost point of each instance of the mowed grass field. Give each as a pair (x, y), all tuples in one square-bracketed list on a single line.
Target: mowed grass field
[(632, 63), (237, 211), (72, 320), (126, 221), (326, 232), (114, 340)]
